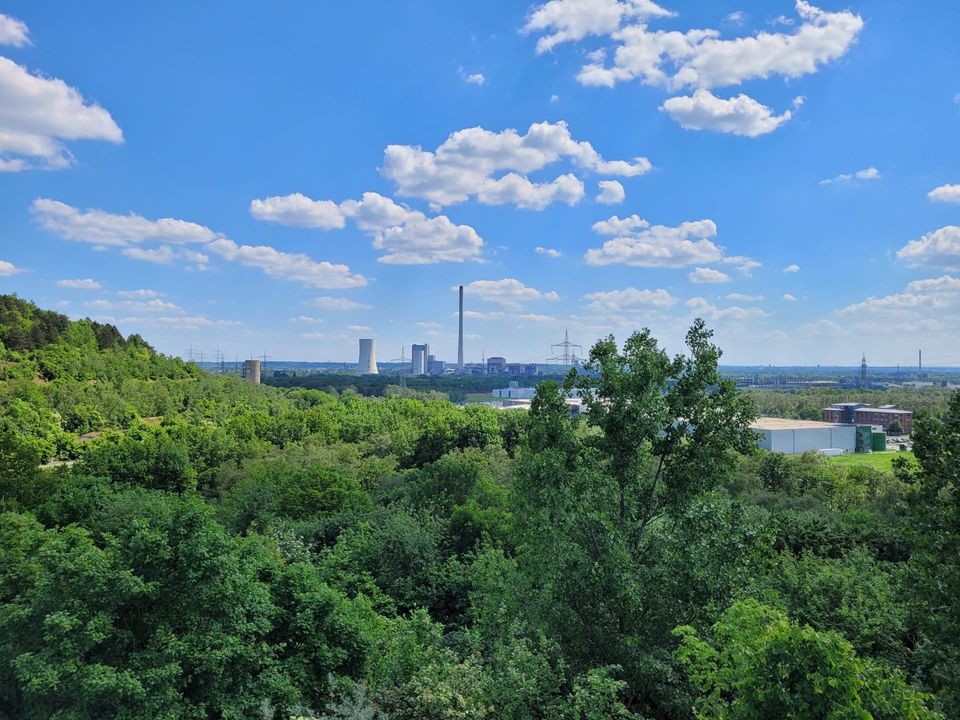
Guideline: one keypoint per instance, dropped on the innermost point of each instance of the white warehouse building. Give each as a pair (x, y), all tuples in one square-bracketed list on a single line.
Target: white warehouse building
[(793, 437)]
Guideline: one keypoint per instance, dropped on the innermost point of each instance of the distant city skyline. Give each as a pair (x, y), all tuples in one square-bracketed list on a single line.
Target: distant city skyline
[(241, 178)]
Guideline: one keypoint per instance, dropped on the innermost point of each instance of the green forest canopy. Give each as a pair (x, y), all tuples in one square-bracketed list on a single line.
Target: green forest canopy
[(208, 548)]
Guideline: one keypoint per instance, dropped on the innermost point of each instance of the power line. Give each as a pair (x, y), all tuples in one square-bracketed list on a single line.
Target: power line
[(568, 355)]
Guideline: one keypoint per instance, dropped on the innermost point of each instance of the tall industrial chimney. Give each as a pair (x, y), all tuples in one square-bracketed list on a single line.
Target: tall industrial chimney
[(460, 335), (368, 357)]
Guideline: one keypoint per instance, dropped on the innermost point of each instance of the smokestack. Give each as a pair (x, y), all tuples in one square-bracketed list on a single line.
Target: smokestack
[(920, 362), (460, 335)]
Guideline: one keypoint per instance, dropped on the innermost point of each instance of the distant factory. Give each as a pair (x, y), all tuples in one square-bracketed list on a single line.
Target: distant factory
[(422, 362)]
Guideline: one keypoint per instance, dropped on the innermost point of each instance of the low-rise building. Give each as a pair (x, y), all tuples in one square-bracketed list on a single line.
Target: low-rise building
[(854, 413), (793, 437), (513, 391)]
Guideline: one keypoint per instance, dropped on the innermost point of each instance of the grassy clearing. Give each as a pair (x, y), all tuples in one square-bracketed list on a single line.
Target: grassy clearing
[(879, 460)]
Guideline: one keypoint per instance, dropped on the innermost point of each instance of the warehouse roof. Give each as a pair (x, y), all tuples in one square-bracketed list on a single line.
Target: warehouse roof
[(772, 423)]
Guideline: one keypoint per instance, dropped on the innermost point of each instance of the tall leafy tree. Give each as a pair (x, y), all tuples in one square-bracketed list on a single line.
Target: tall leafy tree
[(668, 425), (661, 430)]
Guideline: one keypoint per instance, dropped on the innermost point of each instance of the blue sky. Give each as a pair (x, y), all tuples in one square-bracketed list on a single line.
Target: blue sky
[(288, 177)]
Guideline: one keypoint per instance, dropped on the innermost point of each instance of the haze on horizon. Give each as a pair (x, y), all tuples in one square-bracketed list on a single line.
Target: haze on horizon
[(287, 180)]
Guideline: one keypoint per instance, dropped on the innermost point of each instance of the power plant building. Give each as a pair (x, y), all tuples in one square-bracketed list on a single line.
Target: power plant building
[(496, 365), (793, 437), (367, 364), (419, 355)]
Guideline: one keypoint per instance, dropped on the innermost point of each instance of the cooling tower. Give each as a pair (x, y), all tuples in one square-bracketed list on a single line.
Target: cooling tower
[(368, 357)]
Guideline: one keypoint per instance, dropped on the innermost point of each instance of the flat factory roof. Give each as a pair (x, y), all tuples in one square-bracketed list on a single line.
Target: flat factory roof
[(772, 423)]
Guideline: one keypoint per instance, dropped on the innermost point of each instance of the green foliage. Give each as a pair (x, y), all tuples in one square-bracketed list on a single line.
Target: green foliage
[(759, 664), (676, 414), (853, 595), (932, 585), (596, 696), (154, 611), (24, 326), (145, 456), (178, 544)]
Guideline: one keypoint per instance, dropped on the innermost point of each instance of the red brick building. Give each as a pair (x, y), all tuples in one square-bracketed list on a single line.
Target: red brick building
[(862, 414)]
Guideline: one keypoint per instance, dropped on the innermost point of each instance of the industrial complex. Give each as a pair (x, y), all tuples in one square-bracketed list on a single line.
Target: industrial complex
[(423, 363)]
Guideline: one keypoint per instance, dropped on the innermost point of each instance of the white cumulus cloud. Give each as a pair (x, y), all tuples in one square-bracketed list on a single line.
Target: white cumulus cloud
[(79, 284), (135, 306), (13, 32), (740, 115), (700, 58), (707, 310), (930, 305), (138, 294), (639, 244), (102, 228), (472, 78), (165, 241), (8, 268), (469, 163), (870, 173), (508, 292), (619, 226), (741, 263), (38, 113), (571, 20), (938, 249), (549, 252), (707, 275), (297, 210), (336, 303), (945, 193), (792, 268), (407, 237), (296, 267), (629, 299), (611, 193)]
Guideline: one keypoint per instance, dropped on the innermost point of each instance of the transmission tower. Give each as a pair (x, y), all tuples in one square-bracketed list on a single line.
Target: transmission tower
[(567, 356), (403, 365)]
